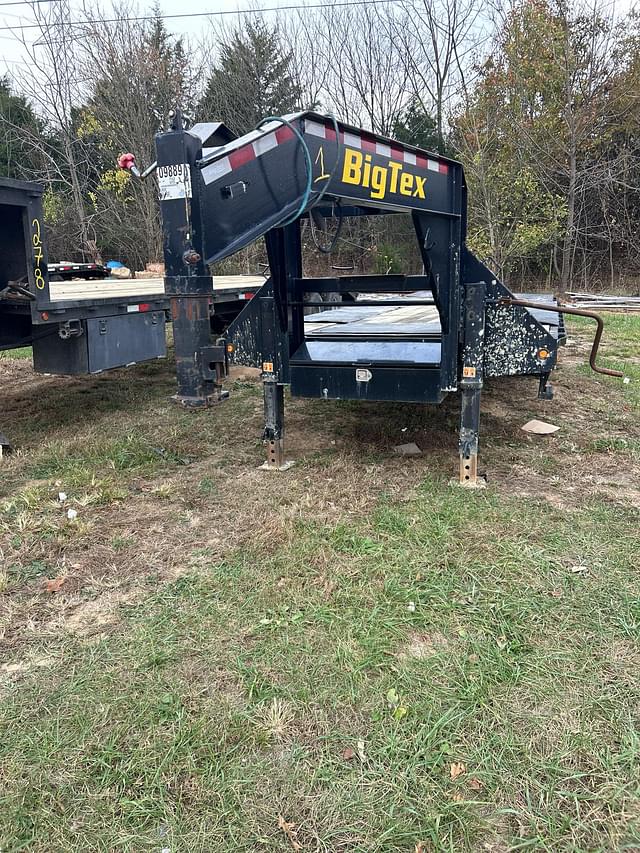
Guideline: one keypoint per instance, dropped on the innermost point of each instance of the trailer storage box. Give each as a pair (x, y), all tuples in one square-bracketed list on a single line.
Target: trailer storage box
[(101, 343)]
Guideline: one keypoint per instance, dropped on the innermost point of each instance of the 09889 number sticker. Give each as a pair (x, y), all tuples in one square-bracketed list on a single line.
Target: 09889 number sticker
[(174, 181)]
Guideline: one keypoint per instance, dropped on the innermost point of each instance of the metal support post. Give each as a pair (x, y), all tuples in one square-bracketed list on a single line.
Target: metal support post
[(199, 372), (200, 365), (5, 445), (545, 391), (471, 382), (273, 435)]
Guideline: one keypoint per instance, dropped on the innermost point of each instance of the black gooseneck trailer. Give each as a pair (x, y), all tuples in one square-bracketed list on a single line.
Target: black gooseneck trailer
[(216, 200)]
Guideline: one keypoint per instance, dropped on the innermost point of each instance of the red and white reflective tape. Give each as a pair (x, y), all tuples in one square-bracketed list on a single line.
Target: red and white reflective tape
[(369, 144), (260, 142)]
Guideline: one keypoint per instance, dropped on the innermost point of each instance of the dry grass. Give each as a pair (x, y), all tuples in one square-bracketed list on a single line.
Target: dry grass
[(196, 653)]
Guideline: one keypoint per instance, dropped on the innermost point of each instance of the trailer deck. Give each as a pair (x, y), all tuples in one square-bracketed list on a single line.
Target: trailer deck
[(396, 322), (133, 288)]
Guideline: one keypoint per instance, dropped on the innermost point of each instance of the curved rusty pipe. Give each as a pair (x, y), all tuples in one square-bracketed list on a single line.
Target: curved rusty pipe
[(579, 312)]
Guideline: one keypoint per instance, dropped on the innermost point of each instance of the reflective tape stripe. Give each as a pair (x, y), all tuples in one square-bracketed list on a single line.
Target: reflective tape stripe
[(216, 170), (266, 143), (259, 143), (315, 129)]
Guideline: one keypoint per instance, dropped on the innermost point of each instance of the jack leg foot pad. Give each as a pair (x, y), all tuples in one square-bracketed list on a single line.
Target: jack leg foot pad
[(275, 456)]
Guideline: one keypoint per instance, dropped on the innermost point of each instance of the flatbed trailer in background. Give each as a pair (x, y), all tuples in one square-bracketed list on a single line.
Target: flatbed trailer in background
[(85, 326), (68, 270), (228, 297)]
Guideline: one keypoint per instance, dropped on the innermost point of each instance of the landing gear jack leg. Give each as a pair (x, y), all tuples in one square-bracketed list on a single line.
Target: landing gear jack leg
[(469, 429), (545, 391), (471, 384), (200, 377), (273, 435)]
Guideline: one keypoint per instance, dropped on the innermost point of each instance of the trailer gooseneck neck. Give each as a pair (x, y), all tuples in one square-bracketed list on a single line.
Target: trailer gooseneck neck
[(218, 194)]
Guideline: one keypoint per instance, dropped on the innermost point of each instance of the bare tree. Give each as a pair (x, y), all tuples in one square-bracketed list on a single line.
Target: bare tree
[(435, 40), (358, 72), (584, 57), (53, 86), (136, 72)]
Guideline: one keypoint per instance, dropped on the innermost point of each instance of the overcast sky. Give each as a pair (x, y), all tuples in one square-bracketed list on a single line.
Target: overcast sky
[(12, 56), (12, 52)]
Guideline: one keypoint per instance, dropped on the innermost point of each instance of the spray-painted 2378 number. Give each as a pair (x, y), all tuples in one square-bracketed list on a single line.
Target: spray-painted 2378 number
[(36, 239)]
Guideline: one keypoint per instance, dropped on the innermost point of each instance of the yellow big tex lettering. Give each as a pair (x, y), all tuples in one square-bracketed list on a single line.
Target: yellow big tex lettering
[(358, 170)]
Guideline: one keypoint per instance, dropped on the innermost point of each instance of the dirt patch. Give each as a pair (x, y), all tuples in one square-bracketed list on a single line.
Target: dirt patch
[(422, 646), (93, 618), (22, 666)]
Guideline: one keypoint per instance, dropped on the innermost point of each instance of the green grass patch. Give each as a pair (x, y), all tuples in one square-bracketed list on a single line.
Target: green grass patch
[(77, 465), (448, 667), (336, 681), (20, 352)]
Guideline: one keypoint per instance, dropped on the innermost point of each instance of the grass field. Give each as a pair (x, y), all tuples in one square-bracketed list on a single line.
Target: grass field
[(350, 656)]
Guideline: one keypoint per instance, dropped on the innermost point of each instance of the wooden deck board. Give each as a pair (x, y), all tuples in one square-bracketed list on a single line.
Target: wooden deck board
[(396, 321), (131, 288)]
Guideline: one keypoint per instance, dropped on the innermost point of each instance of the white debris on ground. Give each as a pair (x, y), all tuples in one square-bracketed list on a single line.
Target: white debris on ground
[(539, 427), (410, 449)]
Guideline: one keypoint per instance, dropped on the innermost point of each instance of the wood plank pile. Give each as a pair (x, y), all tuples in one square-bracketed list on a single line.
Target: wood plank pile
[(604, 301)]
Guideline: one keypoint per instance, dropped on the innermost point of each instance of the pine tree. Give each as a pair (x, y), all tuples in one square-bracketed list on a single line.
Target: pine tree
[(416, 127), (252, 80), (18, 127)]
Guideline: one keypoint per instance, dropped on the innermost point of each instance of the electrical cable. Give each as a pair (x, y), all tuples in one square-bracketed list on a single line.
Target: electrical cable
[(307, 159), (336, 161), (215, 14), (308, 165), (29, 2), (327, 250)]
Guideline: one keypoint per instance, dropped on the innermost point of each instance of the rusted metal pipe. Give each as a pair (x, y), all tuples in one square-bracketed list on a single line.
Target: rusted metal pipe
[(579, 312)]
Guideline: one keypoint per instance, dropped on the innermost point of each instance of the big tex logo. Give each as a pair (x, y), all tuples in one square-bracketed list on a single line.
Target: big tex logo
[(358, 170)]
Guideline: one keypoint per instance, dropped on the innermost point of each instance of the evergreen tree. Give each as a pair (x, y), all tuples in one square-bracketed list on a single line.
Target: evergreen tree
[(168, 80), (18, 127), (252, 80), (416, 127)]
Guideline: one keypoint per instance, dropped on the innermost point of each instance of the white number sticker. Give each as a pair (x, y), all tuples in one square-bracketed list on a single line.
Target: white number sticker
[(174, 181)]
